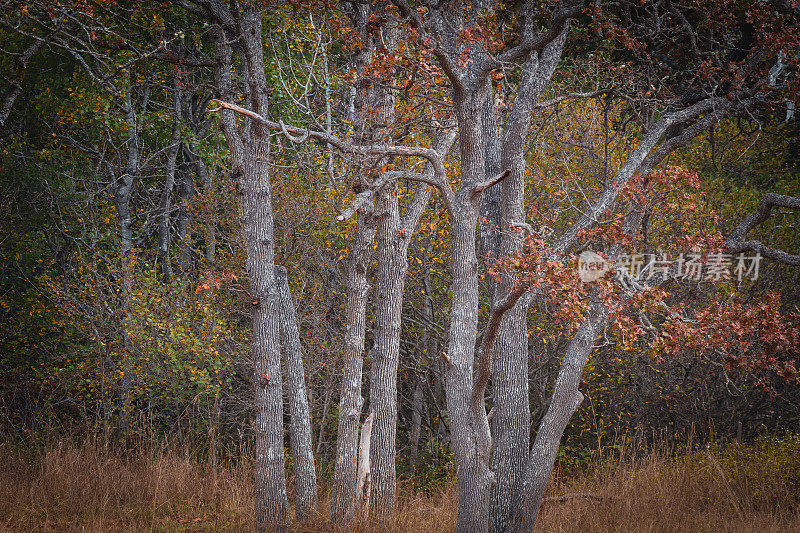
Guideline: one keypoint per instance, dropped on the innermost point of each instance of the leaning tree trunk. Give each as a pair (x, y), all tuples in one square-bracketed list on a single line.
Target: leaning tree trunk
[(250, 157), (566, 397), (304, 472)]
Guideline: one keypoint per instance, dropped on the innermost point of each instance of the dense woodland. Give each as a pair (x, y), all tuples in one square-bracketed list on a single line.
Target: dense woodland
[(337, 245)]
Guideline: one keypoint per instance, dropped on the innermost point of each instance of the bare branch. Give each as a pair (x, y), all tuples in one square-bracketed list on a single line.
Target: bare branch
[(446, 62), (643, 158), (736, 243), (379, 150), (22, 62), (530, 43), (429, 177), (573, 96), (417, 206)]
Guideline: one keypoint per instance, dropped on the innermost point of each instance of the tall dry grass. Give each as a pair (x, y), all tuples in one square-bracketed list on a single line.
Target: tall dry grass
[(741, 488), (90, 488)]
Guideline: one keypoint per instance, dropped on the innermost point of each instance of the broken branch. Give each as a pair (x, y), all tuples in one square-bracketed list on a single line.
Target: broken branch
[(480, 187)]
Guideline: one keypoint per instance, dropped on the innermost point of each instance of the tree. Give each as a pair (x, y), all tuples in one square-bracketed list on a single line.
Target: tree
[(468, 63), (250, 155), (366, 136)]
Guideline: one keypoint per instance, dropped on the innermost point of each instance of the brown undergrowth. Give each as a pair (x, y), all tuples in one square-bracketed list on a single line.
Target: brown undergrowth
[(754, 487)]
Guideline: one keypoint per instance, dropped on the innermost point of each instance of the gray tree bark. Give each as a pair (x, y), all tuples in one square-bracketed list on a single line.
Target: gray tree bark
[(468, 423), (565, 400), (249, 148), (123, 190), (394, 237), (511, 419), (370, 99), (300, 436), (343, 496), (350, 402), (164, 204), (470, 434), (364, 471), (389, 281)]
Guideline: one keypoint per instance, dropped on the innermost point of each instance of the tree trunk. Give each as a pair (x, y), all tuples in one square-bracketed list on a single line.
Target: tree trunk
[(300, 437), (389, 284), (350, 402), (394, 236), (565, 400), (468, 423), (367, 100), (184, 218), (511, 419), (364, 470), (250, 157), (326, 403), (15, 87), (211, 216), (417, 406), (164, 204), (123, 189), (392, 245)]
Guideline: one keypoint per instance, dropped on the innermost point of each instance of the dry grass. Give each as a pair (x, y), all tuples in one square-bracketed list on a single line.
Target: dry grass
[(88, 488), (732, 490)]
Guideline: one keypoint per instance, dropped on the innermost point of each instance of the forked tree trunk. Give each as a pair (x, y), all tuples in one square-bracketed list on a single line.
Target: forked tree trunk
[(511, 420), (394, 237), (363, 104), (565, 400)]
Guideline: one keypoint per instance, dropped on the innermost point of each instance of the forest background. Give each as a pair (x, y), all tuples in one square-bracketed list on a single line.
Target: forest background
[(130, 313)]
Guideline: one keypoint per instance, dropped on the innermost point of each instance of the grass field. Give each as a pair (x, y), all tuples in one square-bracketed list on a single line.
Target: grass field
[(67, 487)]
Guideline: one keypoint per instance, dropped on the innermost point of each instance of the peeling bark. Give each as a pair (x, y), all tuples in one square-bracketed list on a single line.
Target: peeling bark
[(363, 485)]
